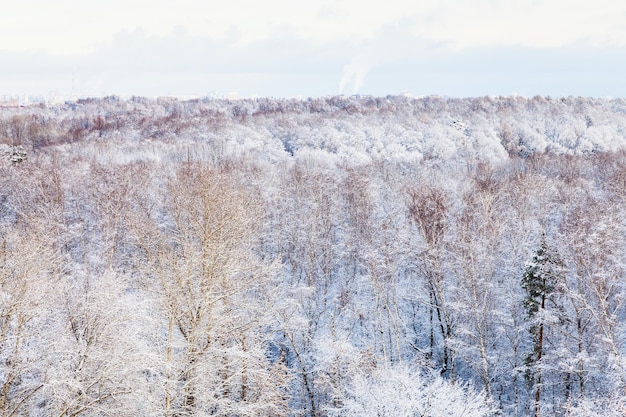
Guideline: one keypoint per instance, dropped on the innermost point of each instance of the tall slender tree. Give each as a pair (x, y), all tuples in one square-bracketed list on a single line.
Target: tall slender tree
[(540, 281)]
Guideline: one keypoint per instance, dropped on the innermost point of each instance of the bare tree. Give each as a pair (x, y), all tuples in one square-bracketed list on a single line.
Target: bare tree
[(428, 210), (27, 272), (213, 292)]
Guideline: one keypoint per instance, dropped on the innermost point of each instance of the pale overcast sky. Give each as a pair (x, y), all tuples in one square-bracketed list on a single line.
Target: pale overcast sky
[(287, 48)]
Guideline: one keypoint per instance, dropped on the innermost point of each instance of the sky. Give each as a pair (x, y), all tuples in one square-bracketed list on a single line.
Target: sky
[(296, 48)]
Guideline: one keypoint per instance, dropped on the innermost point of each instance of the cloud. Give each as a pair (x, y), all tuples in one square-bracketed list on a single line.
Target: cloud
[(285, 64), (69, 27)]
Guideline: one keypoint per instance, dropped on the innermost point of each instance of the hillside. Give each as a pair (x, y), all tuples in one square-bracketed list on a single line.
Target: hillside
[(338, 256)]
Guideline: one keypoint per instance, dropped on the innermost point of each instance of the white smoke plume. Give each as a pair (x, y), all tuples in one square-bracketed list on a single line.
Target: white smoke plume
[(353, 75)]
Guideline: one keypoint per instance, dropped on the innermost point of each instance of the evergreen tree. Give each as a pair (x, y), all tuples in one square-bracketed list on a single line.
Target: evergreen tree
[(539, 280)]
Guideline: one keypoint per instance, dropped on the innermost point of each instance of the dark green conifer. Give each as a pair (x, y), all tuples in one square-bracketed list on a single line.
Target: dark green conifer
[(539, 280)]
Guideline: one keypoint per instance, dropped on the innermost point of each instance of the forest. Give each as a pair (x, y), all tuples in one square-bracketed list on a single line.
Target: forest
[(334, 256)]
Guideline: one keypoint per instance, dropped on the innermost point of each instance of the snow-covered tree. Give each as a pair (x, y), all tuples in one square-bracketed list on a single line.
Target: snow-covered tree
[(404, 391), (540, 281)]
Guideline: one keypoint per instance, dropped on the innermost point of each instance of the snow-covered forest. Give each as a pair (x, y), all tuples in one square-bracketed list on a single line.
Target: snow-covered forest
[(338, 256)]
